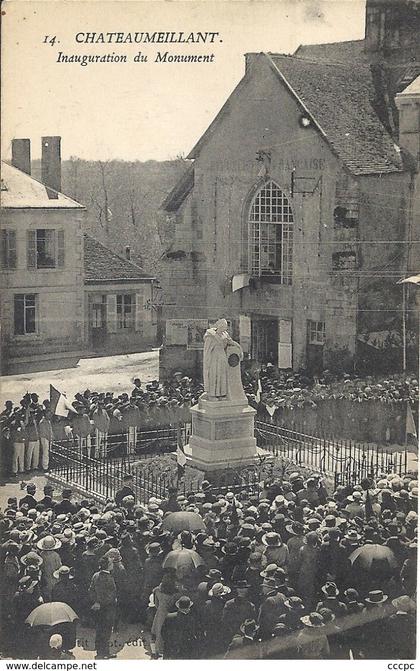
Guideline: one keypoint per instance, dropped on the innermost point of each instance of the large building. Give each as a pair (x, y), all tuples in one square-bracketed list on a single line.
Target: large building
[(64, 295), (296, 217)]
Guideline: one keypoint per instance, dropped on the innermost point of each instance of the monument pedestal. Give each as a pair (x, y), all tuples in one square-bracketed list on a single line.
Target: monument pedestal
[(222, 435)]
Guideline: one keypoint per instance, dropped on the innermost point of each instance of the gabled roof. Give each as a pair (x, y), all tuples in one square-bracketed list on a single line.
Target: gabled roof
[(180, 191), (412, 89), (338, 96), (103, 265), (338, 52), (20, 190)]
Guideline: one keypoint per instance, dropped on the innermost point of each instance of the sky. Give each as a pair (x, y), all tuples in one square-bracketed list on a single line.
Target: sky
[(141, 111)]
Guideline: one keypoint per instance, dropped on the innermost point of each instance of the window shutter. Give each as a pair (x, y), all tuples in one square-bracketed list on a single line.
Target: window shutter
[(31, 250), (4, 244), (111, 313), (285, 344), (60, 249), (12, 260), (140, 316)]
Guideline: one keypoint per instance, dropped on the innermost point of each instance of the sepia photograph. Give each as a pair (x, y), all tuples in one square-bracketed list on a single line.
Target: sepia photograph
[(209, 355)]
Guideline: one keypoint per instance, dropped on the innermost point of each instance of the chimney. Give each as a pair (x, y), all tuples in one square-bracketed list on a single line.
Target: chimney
[(51, 164), (21, 154), (128, 253), (408, 104)]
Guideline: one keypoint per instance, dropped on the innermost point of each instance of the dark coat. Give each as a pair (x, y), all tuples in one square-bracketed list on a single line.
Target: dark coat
[(180, 636), (235, 612)]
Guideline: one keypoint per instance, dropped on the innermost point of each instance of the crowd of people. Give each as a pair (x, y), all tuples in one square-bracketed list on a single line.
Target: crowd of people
[(293, 571), (98, 421)]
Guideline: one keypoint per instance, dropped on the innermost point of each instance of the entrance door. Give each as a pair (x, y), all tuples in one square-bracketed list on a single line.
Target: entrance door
[(264, 340), (98, 322), (315, 347)]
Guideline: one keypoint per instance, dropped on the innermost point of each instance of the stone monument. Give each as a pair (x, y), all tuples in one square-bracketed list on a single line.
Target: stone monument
[(222, 421)]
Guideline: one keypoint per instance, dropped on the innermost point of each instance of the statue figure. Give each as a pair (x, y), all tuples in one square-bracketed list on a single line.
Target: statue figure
[(221, 370)]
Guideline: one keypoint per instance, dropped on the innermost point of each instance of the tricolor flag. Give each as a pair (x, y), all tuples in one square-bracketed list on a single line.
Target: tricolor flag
[(59, 403), (181, 459), (410, 428), (259, 391)]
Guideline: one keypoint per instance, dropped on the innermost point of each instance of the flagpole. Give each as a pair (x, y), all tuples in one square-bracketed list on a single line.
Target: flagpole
[(404, 333)]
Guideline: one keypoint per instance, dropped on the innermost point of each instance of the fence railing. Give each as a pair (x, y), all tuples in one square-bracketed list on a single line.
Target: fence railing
[(344, 461)]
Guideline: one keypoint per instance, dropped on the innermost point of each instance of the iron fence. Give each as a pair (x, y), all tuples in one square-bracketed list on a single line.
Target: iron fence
[(343, 461), (346, 461)]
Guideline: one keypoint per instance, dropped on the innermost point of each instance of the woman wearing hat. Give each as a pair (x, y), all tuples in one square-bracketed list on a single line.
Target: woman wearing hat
[(152, 574), (165, 595), (276, 552), (312, 642), (212, 619), (48, 547), (308, 578)]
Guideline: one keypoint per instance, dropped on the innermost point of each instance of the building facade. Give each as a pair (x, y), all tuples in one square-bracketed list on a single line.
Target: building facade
[(42, 266), (118, 309), (293, 218), (64, 295)]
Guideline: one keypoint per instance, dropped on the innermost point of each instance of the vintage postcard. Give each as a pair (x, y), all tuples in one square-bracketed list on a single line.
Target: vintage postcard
[(210, 292)]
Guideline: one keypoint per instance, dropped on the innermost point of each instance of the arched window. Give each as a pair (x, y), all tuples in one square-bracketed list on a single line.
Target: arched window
[(270, 234)]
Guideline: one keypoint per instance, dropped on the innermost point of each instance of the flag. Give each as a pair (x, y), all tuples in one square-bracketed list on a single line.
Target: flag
[(259, 391), (410, 428), (59, 403), (181, 459)]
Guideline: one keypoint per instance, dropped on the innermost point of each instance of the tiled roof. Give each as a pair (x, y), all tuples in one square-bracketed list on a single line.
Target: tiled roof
[(338, 52), (103, 265), (338, 97), (182, 188), (20, 190), (413, 88)]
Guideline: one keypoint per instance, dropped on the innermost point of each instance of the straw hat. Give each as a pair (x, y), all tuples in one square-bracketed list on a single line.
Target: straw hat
[(49, 543), (313, 620), (376, 596), (219, 590)]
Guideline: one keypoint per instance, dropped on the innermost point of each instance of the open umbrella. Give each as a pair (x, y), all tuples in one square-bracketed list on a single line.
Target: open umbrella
[(183, 521), (184, 561), (50, 614), (373, 559)]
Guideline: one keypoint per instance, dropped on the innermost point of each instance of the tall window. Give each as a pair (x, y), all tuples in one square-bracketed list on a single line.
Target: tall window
[(8, 249), (316, 333), (25, 314), (270, 234), (45, 248), (125, 311)]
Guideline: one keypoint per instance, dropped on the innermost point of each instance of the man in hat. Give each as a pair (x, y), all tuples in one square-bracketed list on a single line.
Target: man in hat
[(125, 490), (212, 619), (47, 501), (82, 429), (331, 601), (180, 633), (272, 607), (103, 593), (32, 440), (65, 506), (101, 422), (45, 437), (65, 589), (247, 636), (152, 573), (131, 420), (29, 499), (171, 505), (237, 610), (311, 641)]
